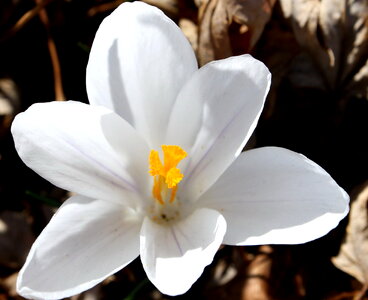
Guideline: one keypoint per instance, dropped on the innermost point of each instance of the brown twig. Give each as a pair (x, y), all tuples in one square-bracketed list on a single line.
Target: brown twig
[(29, 15), (353, 295), (58, 86), (362, 293), (101, 8)]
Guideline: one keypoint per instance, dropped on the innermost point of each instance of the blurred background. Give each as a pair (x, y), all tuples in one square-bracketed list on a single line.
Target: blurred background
[(317, 52)]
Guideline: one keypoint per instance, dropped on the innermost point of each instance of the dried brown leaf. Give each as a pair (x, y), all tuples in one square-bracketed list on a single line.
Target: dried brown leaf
[(9, 285), (335, 35), (259, 271), (9, 103), (353, 254), (228, 27), (190, 30), (246, 277), (170, 7)]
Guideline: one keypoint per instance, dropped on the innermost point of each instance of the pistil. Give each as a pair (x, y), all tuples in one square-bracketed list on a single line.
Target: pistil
[(166, 175)]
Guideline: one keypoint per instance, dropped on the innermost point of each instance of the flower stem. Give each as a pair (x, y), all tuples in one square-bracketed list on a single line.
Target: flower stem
[(46, 200), (134, 292)]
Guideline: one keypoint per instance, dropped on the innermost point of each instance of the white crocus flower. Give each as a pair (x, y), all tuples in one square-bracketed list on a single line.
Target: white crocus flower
[(156, 165)]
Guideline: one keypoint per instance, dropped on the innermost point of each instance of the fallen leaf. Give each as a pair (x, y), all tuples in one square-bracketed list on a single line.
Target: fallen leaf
[(9, 284), (246, 276), (9, 103), (190, 30), (334, 36), (256, 287), (170, 7), (230, 27), (353, 254)]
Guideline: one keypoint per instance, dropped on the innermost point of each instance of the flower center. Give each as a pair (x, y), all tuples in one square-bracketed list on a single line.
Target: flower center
[(166, 175)]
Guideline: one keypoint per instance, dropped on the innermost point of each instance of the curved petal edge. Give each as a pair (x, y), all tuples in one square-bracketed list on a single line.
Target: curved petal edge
[(273, 195), (174, 256), (86, 241)]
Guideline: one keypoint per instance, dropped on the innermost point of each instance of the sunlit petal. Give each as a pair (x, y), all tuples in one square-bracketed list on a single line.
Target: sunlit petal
[(85, 241), (174, 256), (138, 63), (82, 148), (275, 196), (214, 116)]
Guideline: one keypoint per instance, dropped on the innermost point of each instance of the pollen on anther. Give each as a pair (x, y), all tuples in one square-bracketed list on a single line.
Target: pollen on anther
[(155, 163), (166, 175), (173, 177)]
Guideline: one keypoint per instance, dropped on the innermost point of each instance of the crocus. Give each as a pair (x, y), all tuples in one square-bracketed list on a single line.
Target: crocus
[(155, 165)]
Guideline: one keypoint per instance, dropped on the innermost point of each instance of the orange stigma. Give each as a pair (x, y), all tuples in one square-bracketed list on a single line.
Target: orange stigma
[(166, 175)]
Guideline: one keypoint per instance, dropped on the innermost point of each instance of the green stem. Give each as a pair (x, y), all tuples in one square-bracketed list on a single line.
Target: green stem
[(134, 292), (46, 200)]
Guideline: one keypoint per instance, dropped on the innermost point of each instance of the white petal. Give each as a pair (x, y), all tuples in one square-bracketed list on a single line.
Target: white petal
[(85, 149), (86, 241), (275, 196), (174, 256), (139, 61), (217, 111)]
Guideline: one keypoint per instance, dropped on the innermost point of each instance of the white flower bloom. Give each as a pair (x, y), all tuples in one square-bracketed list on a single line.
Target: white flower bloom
[(156, 165)]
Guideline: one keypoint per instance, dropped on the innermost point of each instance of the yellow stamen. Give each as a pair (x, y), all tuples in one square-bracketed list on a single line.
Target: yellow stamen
[(155, 163), (172, 156), (166, 175), (173, 177), (173, 194), (156, 190)]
